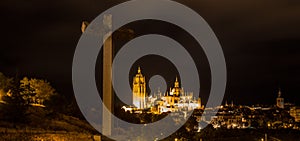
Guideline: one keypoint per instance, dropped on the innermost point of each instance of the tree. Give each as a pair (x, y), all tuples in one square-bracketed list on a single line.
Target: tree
[(37, 90), (27, 92), (15, 107), (5, 84)]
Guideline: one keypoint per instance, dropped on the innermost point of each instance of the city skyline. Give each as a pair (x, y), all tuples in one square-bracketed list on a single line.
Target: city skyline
[(162, 70), (279, 100), (260, 44)]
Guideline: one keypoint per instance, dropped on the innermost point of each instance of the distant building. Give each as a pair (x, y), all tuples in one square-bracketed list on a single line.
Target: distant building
[(295, 112), (280, 100), (175, 100), (139, 90), (174, 95)]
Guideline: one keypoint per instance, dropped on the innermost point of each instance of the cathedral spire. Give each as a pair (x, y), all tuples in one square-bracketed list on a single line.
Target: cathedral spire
[(176, 85), (139, 70), (279, 92)]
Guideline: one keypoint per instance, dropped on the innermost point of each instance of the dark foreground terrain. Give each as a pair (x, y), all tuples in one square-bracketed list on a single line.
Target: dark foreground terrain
[(41, 124)]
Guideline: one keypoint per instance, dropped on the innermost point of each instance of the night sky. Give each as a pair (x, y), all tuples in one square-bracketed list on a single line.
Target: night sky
[(260, 40)]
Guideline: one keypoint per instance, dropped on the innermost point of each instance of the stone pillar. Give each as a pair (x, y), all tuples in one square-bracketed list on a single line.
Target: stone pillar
[(107, 123)]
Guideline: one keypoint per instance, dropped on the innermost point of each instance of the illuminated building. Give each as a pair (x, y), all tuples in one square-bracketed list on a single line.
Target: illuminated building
[(280, 100), (295, 112), (177, 100), (174, 100), (139, 90), (174, 95)]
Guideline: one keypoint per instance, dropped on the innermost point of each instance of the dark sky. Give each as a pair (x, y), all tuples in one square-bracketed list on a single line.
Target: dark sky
[(260, 40)]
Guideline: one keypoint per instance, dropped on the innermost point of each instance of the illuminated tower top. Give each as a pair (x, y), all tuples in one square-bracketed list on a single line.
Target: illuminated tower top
[(176, 90), (139, 78), (176, 84), (279, 93), (280, 100), (139, 70)]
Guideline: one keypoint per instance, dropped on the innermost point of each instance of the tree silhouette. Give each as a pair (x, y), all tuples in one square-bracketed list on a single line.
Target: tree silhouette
[(14, 109), (36, 90), (5, 84)]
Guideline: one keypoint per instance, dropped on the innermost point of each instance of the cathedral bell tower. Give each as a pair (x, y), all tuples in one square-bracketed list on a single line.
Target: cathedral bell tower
[(176, 90), (280, 100), (139, 90)]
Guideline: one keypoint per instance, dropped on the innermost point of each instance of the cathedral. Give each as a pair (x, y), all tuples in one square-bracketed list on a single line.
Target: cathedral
[(174, 100)]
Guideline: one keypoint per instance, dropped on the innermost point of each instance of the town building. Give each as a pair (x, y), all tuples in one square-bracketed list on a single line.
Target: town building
[(295, 112)]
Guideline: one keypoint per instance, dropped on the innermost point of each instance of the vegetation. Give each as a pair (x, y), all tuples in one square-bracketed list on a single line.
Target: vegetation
[(36, 89), (33, 105)]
